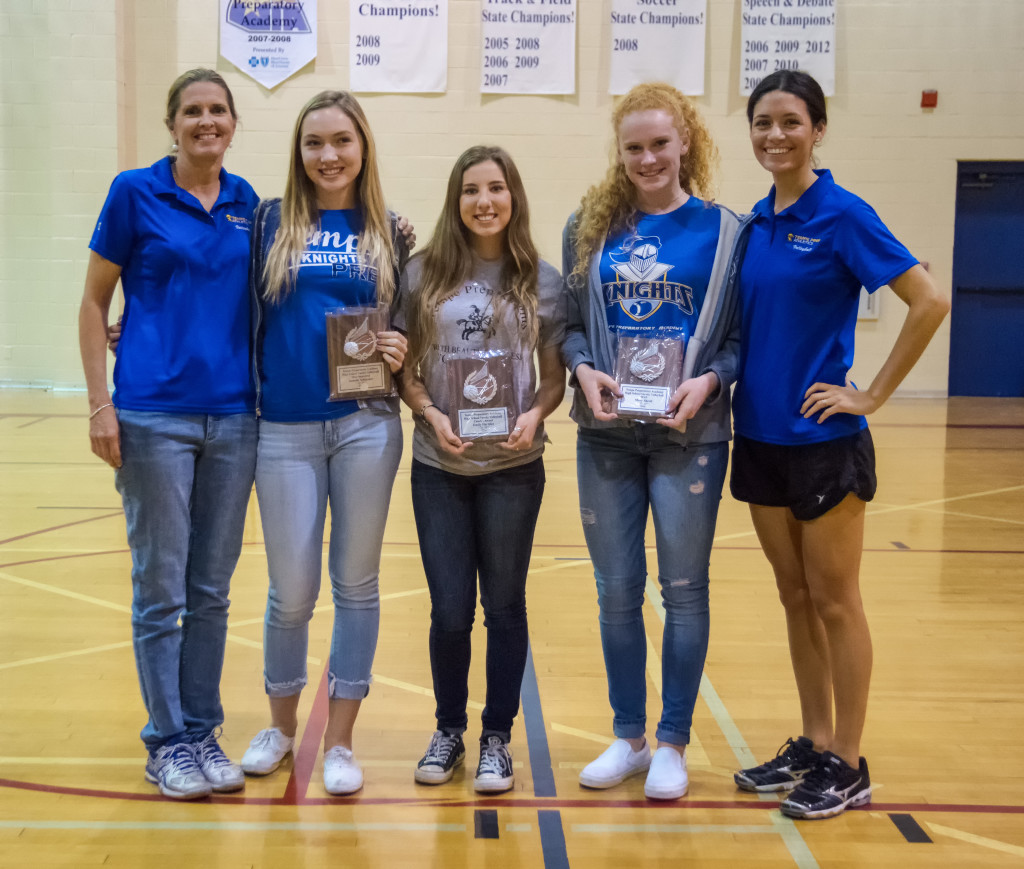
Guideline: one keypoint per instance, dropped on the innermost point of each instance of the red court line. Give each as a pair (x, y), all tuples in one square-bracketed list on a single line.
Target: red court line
[(309, 746), (506, 802)]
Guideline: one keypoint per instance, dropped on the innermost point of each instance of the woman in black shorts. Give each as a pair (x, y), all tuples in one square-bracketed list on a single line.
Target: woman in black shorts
[(803, 456)]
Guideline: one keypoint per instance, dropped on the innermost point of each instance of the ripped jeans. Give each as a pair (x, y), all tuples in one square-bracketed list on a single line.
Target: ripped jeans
[(621, 472), (300, 466)]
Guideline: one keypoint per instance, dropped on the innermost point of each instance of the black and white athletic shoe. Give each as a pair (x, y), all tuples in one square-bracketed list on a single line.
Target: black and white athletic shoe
[(784, 771), (829, 790), (494, 774), (444, 753)]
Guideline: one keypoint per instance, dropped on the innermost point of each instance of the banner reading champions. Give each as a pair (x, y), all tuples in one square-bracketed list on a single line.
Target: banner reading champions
[(529, 47), (398, 47), (658, 44), (268, 40), (788, 34)]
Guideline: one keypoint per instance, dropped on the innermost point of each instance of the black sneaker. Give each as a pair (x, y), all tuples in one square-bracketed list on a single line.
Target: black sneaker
[(494, 774), (783, 772), (829, 789), (444, 753)]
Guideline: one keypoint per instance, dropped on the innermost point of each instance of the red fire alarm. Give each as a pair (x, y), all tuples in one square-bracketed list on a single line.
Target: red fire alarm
[(929, 99)]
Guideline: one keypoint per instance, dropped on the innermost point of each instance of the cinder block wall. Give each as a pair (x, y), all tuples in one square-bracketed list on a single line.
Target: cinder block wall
[(84, 83)]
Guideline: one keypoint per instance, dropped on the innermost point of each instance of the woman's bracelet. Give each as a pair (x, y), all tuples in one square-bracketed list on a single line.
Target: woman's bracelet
[(423, 410), (101, 407)]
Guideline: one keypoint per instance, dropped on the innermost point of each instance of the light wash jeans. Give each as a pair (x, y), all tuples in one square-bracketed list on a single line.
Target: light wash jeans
[(622, 472), (185, 483), (350, 462)]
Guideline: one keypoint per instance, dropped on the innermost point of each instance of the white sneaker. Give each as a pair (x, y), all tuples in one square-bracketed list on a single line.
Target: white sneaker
[(266, 751), (223, 775), (617, 763), (667, 778), (342, 774)]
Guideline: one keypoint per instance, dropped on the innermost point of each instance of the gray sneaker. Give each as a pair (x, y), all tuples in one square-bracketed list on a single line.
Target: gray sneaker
[(223, 775), (174, 770)]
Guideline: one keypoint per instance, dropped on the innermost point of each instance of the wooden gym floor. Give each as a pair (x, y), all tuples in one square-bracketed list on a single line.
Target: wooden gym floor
[(943, 579)]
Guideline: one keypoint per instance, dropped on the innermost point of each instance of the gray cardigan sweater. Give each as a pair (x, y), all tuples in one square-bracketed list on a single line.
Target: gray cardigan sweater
[(713, 347)]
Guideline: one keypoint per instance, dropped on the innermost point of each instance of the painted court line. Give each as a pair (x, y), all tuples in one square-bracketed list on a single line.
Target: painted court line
[(970, 838), (239, 826)]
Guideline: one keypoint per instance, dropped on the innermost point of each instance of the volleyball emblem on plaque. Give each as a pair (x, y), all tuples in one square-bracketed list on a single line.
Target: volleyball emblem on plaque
[(357, 368), (648, 369), (480, 395)]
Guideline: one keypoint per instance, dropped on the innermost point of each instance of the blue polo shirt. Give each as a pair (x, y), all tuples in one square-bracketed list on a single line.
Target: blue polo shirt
[(185, 336), (656, 275), (294, 370), (799, 288)]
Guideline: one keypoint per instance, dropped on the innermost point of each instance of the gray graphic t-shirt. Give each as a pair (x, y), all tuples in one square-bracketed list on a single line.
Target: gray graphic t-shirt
[(470, 320)]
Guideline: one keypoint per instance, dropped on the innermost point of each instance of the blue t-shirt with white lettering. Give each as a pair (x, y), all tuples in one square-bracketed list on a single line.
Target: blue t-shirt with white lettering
[(185, 333), (294, 369), (656, 276), (799, 288)]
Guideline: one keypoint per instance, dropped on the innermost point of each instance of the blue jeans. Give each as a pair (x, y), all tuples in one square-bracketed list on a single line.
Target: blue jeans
[(622, 472), (350, 462), (469, 525), (185, 483)]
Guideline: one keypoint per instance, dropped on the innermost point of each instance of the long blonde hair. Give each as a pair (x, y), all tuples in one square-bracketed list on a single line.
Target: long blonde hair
[(300, 215), (448, 259), (610, 206)]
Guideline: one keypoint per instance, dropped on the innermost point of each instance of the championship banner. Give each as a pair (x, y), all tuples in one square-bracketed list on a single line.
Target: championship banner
[(655, 43), (788, 34), (268, 40), (529, 47), (398, 47)]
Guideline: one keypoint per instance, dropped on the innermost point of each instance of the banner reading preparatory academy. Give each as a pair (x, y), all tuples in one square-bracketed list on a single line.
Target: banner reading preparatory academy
[(268, 39), (788, 34), (658, 44), (398, 47), (529, 46)]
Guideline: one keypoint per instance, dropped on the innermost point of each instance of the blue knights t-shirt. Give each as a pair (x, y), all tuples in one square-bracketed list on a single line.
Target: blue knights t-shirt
[(295, 373), (657, 275), (799, 287)]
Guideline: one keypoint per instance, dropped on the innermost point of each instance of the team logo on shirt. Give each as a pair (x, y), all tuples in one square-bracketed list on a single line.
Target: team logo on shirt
[(801, 243), (641, 286)]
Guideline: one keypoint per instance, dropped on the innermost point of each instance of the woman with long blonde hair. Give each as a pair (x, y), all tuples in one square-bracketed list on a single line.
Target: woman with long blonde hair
[(644, 255), (329, 243), (479, 287)]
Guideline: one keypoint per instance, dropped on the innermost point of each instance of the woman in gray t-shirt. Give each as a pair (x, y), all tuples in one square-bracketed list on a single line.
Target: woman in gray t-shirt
[(478, 304)]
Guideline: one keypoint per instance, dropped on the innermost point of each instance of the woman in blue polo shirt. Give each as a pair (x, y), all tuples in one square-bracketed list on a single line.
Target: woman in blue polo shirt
[(644, 253), (803, 456), (180, 429), (329, 243)]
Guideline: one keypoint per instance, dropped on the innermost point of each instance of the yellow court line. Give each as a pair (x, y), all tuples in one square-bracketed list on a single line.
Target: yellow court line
[(416, 689), (74, 595), (47, 658), (972, 516), (972, 839)]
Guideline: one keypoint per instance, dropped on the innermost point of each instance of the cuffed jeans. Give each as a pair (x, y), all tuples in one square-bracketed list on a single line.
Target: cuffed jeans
[(469, 525), (350, 462), (185, 482), (622, 472)]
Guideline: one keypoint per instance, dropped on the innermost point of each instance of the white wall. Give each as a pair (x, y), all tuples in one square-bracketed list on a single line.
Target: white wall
[(84, 84)]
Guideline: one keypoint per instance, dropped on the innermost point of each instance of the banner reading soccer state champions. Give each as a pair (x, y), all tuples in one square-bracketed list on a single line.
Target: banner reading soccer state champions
[(398, 46), (658, 44), (268, 40)]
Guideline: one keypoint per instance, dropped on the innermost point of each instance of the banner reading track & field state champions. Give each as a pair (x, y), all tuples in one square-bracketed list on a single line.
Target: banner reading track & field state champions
[(529, 47), (658, 43), (788, 34), (398, 46), (268, 40)]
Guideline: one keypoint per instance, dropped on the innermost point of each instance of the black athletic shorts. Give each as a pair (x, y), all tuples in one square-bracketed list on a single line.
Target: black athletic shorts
[(810, 479)]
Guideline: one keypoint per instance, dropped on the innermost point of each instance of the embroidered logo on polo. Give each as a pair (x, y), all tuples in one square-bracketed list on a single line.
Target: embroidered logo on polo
[(641, 286), (802, 243)]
